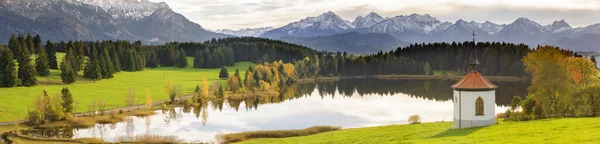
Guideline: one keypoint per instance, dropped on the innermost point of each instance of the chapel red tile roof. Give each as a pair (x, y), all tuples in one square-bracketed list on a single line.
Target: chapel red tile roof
[(474, 81)]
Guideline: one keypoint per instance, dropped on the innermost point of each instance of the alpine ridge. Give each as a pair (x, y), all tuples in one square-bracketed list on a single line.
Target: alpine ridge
[(91, 20), (417, 28)]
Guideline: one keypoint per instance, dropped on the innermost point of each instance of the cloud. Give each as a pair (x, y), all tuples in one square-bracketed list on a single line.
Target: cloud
[(236, 14)]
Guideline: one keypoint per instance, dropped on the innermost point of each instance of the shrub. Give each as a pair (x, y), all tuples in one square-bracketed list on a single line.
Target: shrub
[(148, 138), (187, 102), (110, 119), (519, 116), (528, 105), (514, 104), (114, 114), (69, 117), (237, 137), (142, 113), (165, 107), (414, 119)]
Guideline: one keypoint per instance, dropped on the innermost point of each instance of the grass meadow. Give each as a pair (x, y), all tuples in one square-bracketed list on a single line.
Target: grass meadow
[(15, 101), (565, 130)]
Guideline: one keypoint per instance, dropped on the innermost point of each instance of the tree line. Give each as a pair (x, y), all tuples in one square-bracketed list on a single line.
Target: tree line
[(225, 52), (496, 58), (21, 48), (382, 63), (102, 59), (98, 60)]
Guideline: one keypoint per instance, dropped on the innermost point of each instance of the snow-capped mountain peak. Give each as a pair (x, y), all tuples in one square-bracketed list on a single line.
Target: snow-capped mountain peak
[(413, 23), (325, 24), (489, 27), (127, 9), (367, 21), (245, 32), (323, 21), (462, 22), (526, 23), (559, 26)]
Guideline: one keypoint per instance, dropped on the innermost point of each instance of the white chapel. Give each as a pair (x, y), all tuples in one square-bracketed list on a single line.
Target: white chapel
[(474, 99)]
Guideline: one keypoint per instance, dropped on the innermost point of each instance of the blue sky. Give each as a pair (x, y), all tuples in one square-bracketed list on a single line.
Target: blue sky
[(236, 14)]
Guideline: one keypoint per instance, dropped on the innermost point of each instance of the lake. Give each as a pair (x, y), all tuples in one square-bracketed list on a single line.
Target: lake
[(346, 103)]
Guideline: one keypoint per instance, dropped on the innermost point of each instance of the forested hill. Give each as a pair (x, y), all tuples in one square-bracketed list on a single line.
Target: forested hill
[(496, 58), (253, 49)]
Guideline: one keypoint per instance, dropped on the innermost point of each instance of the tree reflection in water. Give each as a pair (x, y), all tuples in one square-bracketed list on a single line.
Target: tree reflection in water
[(431, 90)]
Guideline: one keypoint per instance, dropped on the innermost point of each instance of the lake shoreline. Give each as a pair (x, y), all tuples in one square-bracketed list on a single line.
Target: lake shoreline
[(408, 77), (320, 79)]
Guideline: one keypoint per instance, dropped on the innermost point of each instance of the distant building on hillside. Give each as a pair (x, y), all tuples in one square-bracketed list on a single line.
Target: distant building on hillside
[(474, 98)]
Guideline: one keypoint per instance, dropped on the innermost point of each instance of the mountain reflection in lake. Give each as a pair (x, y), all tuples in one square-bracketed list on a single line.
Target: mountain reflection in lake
[(345, 103)]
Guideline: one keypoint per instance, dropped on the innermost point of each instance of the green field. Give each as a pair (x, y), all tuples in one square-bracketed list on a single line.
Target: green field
[(15, 101), (567, 130)]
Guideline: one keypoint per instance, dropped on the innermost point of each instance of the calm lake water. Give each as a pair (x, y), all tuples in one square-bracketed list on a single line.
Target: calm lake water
[(345, 103)]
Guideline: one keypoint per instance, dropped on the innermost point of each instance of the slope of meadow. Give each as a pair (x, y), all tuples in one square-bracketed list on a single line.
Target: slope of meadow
[(15, 101), (566, 130)]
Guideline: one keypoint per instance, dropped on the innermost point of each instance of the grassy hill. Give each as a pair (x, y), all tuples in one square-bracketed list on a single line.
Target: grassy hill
[(15, 101), (568, 130)]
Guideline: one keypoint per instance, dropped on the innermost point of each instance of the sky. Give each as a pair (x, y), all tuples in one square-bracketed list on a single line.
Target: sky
[(237, 14)]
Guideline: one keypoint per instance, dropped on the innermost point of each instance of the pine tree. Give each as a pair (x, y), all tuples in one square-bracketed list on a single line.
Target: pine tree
[(181, 59), (223, 74), (237, 73), (26, 69), (29, 44), (220, 93), (51, 54), (8, 73), (228, 56), (14, 46), (108, 70), (427, 69), (115, 60), (67, 100), (593, 59), (198, 60), (92, 67), (141, 63), (78, 56), (37, 44), (239, 78), (152, 60), (218, 59), (208, 62), (41, 61), (67, 74)]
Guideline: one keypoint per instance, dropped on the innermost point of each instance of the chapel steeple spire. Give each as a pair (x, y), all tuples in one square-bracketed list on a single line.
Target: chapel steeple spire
[(473, 62)]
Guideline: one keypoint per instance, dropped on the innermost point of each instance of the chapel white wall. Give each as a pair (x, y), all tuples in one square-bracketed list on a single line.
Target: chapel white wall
[(467, 104)]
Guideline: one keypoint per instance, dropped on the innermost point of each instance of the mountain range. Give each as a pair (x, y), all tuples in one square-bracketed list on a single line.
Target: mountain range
[(90, 20), (157, 23), (353, 42), (417, 28)]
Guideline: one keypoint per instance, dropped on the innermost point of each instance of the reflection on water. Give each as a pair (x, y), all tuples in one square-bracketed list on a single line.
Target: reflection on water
[(346, 103)]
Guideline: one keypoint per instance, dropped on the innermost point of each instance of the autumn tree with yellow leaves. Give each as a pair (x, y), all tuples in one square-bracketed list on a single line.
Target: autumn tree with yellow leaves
[(558, 77)]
